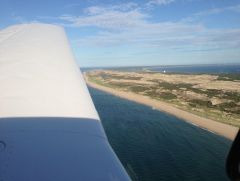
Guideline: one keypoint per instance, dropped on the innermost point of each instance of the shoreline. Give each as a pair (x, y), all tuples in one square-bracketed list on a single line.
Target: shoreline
[(219, 128)]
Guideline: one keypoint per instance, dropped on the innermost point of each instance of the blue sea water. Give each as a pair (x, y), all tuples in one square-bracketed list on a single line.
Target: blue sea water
[(154, 146)]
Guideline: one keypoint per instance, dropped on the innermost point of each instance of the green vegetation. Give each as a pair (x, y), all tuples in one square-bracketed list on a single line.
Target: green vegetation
[(152, 93), (234, 96), (229, 77), (229, 107), (171, 86), (213, 93), (162, 95), (200, 103), (167, 85), (138, 89), (108, 76), (179, 86), (167, 95), (120, 84)]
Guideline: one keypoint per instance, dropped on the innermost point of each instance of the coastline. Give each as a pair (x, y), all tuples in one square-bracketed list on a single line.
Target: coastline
[(222, 129)]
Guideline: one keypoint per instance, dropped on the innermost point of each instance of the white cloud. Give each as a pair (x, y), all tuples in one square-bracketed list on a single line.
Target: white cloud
[(119, 7), (112, 17), (234, 8), (159, 2), (212, 11), (167, 36), (219, 10), (126, 24)]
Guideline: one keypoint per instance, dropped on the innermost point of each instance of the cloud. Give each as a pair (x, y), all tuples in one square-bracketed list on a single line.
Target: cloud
[(127, 25), (219, 10), (167, 36), (119, 7), (234, 8), (112, 17), (159, 2), (212, 11)]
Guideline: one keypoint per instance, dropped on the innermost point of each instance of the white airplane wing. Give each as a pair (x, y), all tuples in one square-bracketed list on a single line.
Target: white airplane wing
[(49, 128)]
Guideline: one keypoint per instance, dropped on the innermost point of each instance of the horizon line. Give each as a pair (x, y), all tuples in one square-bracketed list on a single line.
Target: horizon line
[(164, 65)]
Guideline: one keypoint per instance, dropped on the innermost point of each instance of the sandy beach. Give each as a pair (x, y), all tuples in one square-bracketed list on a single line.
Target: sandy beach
[(219, 128)]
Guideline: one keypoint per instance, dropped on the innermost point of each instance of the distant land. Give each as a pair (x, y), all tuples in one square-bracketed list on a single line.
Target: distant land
[(189, 68), (211, 101)]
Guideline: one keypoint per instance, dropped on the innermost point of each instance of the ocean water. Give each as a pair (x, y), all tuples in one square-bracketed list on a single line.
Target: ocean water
[(155, 146)]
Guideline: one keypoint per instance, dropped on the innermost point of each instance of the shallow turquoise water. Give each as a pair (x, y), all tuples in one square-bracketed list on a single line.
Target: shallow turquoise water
[(156, 146)]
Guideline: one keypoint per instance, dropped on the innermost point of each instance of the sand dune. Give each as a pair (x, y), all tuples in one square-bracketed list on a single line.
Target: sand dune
[(213, 126)]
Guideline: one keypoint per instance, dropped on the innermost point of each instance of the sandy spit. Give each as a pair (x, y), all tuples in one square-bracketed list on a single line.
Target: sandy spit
[(222, 129)]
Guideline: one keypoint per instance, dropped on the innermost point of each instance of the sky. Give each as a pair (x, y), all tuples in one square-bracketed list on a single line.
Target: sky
[(138, 33)]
